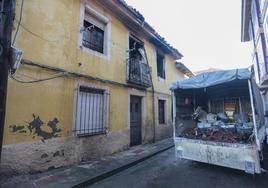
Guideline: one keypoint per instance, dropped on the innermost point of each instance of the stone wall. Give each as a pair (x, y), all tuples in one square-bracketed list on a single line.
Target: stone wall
[(38, 156)]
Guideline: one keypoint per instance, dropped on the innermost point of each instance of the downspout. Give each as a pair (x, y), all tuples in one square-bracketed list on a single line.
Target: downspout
[(174, 113), (260, 24), (153, 102), (253, 114), (153, 97), (255, 50), (153, 91)]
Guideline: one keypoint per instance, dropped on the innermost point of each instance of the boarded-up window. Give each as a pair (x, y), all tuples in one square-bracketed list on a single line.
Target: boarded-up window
[(91, 111), (161, 111)]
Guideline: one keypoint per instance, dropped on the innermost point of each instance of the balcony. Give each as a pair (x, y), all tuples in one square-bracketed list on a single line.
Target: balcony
[(138, 73)]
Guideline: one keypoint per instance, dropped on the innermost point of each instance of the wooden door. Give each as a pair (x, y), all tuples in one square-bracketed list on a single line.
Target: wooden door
[(135, 120)]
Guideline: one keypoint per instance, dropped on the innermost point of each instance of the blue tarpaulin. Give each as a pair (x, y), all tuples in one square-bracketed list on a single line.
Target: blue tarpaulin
[(212, 78)]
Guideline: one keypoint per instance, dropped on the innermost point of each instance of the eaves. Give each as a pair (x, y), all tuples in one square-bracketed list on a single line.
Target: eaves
[(135, 22)]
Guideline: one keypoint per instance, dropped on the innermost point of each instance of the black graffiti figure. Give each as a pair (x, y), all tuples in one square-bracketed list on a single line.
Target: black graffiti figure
[(53, 125), (35, 128)]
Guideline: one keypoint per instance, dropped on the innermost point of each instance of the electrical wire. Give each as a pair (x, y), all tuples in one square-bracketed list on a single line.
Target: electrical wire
[(21, 75), (36, 35), (113, 42), (39, 80), (18, 26), (40, 37)]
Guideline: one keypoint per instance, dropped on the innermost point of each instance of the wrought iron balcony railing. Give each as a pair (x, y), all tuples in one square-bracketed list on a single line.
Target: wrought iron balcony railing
[(138, 73)]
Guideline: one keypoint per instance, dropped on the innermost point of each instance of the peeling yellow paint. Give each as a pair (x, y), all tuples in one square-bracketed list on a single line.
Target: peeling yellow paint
[(50, 36)]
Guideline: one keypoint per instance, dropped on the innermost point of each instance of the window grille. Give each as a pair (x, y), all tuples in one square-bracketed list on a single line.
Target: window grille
[(91, 111)]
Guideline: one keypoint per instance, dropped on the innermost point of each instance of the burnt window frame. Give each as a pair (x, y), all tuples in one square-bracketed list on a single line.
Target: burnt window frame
[(161, 69), (139, 43), (162, 119)]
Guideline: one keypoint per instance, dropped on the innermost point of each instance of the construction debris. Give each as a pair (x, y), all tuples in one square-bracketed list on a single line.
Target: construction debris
[(218, 135), (200, 114), (220, 127)]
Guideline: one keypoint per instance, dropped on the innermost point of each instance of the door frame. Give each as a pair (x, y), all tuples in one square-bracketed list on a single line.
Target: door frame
[(142, 95)]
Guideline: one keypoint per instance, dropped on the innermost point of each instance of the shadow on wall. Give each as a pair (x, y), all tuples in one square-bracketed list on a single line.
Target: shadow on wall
[(38, 128)]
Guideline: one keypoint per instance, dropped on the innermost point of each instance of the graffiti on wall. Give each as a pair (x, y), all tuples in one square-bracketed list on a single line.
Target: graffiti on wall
[(38, 128)]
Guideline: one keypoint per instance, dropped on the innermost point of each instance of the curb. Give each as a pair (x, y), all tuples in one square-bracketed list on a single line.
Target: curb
[(119, 169)]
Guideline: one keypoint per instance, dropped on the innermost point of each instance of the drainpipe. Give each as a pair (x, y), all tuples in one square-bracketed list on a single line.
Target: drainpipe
[(153, 102), (153, 91), (263, 41), (153, 97), (174, 113), (253, 114), (255, 49)]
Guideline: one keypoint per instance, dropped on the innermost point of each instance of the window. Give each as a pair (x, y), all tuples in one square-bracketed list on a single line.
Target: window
[(135, 58), (95, 31), (161, 111), (161, 66), (138, 70), (93, 37), (91, 111)]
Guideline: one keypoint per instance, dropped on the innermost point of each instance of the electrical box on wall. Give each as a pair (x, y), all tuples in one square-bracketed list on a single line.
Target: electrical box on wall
[(16, 56)]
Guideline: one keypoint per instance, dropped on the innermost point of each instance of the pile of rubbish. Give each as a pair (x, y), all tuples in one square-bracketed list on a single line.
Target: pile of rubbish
[(218, 135), (220, 127)]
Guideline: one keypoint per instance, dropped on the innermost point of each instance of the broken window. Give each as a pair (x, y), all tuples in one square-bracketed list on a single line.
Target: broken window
[(160, 66), (138, 68), (91, 111), (93, 33), (161, 111), (134, 46)]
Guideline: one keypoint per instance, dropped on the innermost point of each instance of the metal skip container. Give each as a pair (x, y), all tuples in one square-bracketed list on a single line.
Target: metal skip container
[(212, 91)]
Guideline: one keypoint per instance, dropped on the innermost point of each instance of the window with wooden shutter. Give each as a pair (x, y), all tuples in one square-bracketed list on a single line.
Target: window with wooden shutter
[(93, 33), (93, 37)]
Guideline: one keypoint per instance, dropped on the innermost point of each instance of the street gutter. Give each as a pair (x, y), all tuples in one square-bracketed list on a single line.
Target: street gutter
[(121, 168)]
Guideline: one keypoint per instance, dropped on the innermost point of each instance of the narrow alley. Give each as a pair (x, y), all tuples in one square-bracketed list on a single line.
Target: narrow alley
[(165, 170)]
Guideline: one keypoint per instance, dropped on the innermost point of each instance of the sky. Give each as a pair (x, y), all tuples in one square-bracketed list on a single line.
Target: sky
[(206, 32)]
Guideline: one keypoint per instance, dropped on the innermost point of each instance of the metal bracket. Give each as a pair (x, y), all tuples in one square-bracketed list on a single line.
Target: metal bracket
[(179, 153), (249, 167)]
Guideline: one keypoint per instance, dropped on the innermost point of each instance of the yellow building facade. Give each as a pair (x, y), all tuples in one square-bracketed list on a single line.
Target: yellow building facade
[(72, 100)]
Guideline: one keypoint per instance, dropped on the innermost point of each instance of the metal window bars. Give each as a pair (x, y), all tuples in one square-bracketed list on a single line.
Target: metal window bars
[(91, 111), (138, 73)]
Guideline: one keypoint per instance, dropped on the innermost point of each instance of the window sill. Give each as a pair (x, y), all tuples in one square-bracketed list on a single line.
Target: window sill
[(161, 79), (162, 124), (90, 134), (93, 52)]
